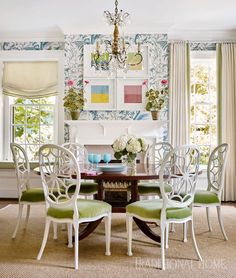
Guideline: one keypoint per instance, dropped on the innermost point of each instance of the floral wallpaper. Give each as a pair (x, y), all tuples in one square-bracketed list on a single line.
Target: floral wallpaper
[(202, 46), (31, 46), (158, 67)]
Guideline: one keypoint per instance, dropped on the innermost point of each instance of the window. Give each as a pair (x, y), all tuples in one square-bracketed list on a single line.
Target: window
[(25, 120), (203, 101), (32, 123)]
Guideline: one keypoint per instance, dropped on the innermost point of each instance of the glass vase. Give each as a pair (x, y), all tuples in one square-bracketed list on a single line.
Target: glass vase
[(130, 164)]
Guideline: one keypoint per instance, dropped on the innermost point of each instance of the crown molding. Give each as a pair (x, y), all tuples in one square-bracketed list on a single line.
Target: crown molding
[(173, 34), (31, 36), (202, 35)]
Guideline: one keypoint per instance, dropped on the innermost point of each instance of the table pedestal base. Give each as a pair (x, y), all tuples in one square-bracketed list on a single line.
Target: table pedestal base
[(143, 226), (88, 228)]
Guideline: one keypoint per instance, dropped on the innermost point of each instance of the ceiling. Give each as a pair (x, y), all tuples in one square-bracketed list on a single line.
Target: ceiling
[(35, 19)]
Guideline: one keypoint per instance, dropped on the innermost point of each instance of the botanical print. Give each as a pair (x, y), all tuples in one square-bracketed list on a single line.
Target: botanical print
[(102, 60), (99, 94), (132, 59), (133, 94)]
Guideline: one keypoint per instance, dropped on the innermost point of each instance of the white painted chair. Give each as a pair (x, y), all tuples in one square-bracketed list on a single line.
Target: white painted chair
[(26, 195), (153, 160), (87, 188), (180, 170), (60, 170), (215, 175)]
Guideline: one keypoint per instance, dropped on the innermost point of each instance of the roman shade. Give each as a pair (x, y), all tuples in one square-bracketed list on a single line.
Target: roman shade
[(30, 79)]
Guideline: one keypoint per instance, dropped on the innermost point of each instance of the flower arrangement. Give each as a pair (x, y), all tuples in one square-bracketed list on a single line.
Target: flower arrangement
[(74, 99), (128, 146), (156, 98)]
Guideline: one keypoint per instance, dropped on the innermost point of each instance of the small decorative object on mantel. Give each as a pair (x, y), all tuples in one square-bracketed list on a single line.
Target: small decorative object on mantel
[(156, 98), (74, 99), (126, 147)]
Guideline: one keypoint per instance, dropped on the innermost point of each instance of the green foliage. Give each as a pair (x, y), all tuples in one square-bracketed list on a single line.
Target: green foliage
[(200, 86), (74, 100), (203, 110), (32, 114), (155, 99)]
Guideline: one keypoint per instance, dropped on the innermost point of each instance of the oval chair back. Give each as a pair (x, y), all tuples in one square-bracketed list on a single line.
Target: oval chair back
[(59, 172), (179, 170), (216, 168), (80, 153), (155, 155), (22, 167)]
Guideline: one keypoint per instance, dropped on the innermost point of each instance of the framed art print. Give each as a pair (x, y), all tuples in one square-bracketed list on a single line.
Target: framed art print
[(90, 69), (100, 94), (140, 70)]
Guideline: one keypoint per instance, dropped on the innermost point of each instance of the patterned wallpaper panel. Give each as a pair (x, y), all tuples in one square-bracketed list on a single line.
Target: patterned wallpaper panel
[(158, 66), (31, 46), (202, 46)]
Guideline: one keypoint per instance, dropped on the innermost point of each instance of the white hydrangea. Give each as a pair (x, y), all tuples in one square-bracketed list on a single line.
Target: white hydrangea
[(129, 144), (133, 146), (120, 143)]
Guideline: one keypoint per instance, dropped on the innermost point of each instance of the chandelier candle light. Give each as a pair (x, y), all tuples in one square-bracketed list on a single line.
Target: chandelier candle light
[(116, 50)]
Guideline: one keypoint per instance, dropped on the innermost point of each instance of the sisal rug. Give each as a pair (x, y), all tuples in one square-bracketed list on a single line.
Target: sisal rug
[(18, 257)]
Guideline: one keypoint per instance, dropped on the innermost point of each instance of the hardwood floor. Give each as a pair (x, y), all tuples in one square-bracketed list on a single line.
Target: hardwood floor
[(6, 202)]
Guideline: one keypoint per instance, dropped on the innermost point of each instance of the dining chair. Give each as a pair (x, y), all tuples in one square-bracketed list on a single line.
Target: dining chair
[(87, 188), (180, 170), (211, 197), (26, 194), (153, 160), (60, 169)]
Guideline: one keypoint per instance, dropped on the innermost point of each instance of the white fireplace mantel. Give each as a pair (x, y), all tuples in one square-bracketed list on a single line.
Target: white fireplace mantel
[(104, 132)]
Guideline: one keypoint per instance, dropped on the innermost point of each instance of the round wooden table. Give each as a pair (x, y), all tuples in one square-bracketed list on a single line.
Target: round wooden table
[(102, 178)]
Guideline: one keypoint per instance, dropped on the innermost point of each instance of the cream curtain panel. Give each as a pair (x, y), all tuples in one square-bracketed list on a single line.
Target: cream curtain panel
[(226, 60), (30, 79), (179, 93)]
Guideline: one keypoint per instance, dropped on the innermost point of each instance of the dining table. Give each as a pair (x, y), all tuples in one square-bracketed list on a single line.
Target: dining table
[(131, 181)]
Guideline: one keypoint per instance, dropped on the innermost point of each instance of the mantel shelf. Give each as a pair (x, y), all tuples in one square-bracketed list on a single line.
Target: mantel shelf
[(125, 122), (104, 132)]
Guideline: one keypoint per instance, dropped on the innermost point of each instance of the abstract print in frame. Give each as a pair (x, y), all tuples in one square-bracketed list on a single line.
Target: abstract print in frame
[(99, 94), (131, 94)]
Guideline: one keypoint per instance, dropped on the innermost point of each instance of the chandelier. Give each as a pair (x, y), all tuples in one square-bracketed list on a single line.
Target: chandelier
[(115, 55)]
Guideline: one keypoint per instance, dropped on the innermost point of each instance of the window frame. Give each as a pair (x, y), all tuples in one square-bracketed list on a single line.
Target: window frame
[(28, 55), (9, 125), (204, 56)]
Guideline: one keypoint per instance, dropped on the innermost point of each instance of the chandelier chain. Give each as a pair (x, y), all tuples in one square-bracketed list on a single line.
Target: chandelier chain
[(115, 57), (116, 8)]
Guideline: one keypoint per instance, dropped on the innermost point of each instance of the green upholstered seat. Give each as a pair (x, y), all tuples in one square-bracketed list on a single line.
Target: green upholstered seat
[(151, 188), (33, 195), (205, 197), (86, 188), (151, 209), (86, 209)]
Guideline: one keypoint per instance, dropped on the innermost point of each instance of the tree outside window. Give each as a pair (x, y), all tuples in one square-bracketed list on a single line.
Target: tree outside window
[(203, 110), (32, 123)]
